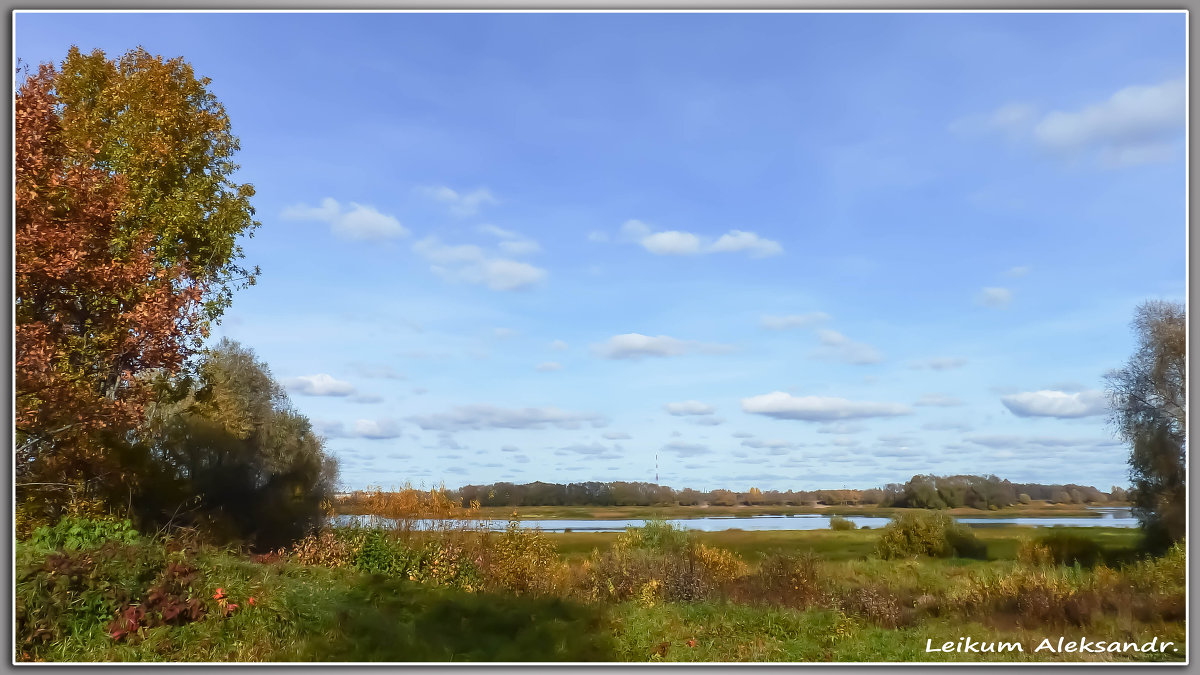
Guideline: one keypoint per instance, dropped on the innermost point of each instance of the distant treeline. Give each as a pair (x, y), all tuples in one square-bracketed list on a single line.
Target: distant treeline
[(934, 492)]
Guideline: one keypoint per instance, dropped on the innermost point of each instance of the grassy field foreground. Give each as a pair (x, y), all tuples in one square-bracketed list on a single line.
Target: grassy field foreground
[(768, 596)]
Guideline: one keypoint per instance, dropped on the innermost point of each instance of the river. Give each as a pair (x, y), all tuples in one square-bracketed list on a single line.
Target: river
[(1109, 517)]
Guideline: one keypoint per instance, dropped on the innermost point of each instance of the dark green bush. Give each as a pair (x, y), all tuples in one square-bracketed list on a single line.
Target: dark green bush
[(658, 535), (1068, 548), (840, 524), (928, 533)]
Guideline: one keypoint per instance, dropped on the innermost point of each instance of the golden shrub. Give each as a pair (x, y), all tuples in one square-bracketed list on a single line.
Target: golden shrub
[(1032, 552), (721, 565), (523, 561), (327, 549)]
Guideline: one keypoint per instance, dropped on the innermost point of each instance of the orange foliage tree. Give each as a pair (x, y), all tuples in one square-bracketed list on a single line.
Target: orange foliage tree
[(124, 250)]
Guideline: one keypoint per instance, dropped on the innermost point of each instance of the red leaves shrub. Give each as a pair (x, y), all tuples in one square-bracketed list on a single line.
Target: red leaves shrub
[(168, 602)]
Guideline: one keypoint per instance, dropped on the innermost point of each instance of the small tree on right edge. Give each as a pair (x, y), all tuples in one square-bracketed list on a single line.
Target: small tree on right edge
[(1149, 411)]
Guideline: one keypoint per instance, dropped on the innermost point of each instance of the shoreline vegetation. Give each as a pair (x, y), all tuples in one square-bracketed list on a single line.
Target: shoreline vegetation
[(675, 512), (959, 495)]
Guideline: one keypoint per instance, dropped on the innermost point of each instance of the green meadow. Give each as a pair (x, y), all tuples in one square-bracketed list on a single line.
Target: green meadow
[(653, 594)]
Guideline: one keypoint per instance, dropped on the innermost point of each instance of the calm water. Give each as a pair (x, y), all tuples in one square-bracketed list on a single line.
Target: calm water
[(1109, 517)]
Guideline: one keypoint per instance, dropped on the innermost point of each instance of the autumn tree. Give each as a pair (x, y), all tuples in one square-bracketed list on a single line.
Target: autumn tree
[(155, 123), (126, 230), (1149, 411), (88, 318)]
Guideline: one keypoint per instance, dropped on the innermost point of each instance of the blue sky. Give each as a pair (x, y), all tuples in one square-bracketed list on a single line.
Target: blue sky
[(781, 250)]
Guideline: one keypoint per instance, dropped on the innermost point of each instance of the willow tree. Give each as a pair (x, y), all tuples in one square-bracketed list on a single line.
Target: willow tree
[(224, 450), (1149, 411)]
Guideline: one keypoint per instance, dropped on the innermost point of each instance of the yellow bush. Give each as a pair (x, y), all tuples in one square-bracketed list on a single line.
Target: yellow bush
[(650, 593), (721, 565), (328, 549), (1032, 552), (1167, 574), (524, 561)]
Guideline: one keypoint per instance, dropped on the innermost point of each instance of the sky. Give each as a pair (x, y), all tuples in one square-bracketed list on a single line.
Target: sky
[(782, 250)]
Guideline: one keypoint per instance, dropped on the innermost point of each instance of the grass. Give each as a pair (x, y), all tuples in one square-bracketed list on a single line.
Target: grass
[(316, 613), (1002, 541), (312, 613), (707, 632)]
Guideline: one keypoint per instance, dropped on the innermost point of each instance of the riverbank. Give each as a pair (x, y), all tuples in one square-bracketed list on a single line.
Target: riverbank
[(673, 512)]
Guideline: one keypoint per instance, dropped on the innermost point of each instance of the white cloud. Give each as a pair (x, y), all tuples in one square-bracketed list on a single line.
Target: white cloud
[(1038, 444), (1019, 271), (946, 426), (520, 247), (636, 346), (616, 436), (842, 348), (782, 405), (672, 242), (558, 345), (939, 363), (634, 230), (597, 237), (375, 429), (547, 366), (689, 408), (1132, 127), (469, 263), (367, 398), (505, 275), (994, 297), (1012, 119), (460, 203), (358, 222), (686, 449), (595, 450), (770, 444), (1050, 403), (771, 322), (675, 242), (511, 242), (938, 400), (1136, 125), (477, 417), (497, 232), (737, 240), (318, 385), (369, 429), (329, 428)]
